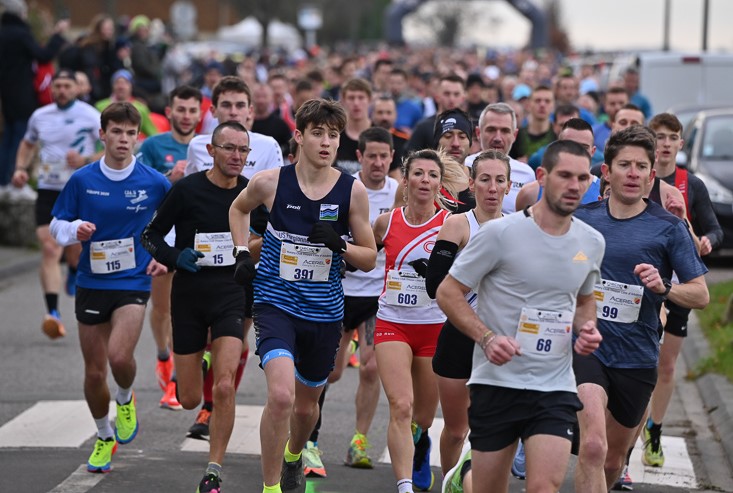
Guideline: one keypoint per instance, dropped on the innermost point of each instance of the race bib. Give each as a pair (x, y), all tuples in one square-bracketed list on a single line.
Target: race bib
[(545, 332), (54, 173), (406, 289), (216, 247), (305, 263), (618, 302), (111, 256)]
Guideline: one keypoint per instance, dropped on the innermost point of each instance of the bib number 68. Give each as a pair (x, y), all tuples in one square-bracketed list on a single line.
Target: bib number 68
[(544, 345)]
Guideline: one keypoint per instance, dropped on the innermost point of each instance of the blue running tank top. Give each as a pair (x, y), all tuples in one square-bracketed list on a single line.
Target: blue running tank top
[(291, 219)]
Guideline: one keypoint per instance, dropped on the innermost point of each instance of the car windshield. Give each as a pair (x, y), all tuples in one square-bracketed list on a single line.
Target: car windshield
[(718, 140)]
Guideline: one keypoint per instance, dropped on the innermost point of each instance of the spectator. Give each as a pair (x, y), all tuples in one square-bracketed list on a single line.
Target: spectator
[(146, 63), (97, 58), (18, 51)]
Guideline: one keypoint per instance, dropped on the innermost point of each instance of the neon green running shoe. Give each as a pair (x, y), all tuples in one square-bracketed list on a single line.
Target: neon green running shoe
[(357, 454), (653, 454), (453, 482), (313, 465), (126, 425), (101, 458)]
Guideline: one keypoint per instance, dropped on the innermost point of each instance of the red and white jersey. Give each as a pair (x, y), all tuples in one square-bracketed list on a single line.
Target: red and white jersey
[(403, 243)]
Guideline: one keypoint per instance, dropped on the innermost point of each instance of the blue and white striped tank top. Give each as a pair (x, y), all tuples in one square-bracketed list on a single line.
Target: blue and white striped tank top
[(291, 219)]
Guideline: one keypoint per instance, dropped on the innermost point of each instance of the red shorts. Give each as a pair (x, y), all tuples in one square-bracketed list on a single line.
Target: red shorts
[(422, 338)]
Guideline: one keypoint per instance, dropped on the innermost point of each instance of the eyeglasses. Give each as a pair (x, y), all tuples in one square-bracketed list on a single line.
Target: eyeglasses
[(230, 148)]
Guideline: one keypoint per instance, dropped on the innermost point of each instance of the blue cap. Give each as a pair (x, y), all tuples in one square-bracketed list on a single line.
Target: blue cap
[(521, 91), (124, 73)]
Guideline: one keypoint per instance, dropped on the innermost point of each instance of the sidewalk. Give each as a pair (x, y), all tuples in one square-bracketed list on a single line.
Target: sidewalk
[(16, 260)]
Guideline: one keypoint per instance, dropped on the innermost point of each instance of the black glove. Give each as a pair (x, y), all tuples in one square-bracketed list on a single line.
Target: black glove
[(244, 269), (187, 260), (421, 267), (324, 233)]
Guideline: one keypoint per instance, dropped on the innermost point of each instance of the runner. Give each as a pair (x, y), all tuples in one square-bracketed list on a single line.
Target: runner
[(67, 132), (298, 306), (535, 271), (204, 292), (408, 321), (644, 245), (106, 206), (166, 153), (489, 183), (231, 102)]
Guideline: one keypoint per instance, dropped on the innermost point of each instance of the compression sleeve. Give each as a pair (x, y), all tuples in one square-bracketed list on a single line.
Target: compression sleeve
[(153, 236), (441, 259), (64, 232)]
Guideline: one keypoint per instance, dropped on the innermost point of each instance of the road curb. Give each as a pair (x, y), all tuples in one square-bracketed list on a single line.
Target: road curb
[(715, 390)]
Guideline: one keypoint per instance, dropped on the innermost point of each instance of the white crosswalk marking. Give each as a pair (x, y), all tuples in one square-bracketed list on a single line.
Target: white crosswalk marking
[(63, 424), (67, 424), (80, 481), (245, 436), (677, 470)]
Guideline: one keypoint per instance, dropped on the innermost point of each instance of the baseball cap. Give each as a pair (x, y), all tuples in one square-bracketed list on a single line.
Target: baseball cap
[(521, 91), (124, 73), (64, 74)]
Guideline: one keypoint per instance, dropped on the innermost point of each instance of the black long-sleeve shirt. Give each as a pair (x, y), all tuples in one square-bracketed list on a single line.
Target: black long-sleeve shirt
[(193, 205)]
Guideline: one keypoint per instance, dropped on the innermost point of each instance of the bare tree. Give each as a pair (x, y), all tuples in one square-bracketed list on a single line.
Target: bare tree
[(266, 11), (449, 19)]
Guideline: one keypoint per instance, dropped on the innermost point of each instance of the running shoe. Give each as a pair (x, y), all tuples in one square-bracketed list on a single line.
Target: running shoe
[(164, 372), (71, 282), (52, 325), (292, 478), (126, 425), (624, 482), (519, 466), (169, 400), (356, 456), (314, 467), (211, 483), (206, 362), (200, 428), (653, 455), (453, 482), (101, 458), (422, 476)]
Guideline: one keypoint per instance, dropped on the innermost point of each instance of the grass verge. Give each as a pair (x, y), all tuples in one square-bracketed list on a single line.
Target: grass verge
[(718, 333)]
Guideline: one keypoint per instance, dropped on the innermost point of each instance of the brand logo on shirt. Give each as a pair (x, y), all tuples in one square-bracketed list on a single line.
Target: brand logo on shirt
[(580, 257), (291, 206), (329, 212), (135, 197)]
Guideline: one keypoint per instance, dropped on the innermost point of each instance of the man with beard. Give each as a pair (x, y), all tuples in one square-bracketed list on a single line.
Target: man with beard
[(384, 114)]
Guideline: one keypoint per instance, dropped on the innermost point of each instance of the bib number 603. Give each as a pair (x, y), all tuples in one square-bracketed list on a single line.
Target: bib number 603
[(407, 299)]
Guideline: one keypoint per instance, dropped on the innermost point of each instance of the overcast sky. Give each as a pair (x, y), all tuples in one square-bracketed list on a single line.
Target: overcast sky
[(616, 24)]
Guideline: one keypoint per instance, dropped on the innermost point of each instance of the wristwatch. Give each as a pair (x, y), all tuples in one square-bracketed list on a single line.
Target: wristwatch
[(667, 287), (239, 249)]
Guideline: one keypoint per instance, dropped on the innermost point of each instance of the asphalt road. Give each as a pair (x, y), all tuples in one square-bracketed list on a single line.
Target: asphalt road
[(46, 431)]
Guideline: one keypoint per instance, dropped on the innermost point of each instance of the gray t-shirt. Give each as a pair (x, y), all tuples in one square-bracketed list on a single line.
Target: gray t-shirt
[(513, 264)]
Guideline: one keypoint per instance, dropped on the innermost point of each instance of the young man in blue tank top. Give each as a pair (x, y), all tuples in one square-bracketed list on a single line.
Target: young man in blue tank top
[(298, 296)]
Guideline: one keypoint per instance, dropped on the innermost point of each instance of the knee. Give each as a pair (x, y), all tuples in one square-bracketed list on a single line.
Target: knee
[(666, 369), (224, 389), (400, 409), (280, 401), (50, 248), (95, 377), (305, 410), (189, 399), (613, 465), (119, 362), (368, 371), (454, 432), (593, 450)]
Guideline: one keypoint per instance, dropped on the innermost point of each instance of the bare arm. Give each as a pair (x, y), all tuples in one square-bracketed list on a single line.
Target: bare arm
[(527, 196), (451, 298), (22, 163), (584, 325), (691, 294), (362, 254)]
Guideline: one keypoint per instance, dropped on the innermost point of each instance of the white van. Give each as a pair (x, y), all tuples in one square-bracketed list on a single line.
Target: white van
[(670, 79)]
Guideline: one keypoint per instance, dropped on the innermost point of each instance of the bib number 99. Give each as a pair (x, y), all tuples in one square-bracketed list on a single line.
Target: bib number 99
[(609, 312), (303, 274), (407, 299)]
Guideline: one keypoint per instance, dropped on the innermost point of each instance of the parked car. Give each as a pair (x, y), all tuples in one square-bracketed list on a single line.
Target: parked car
[(708, 152)]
